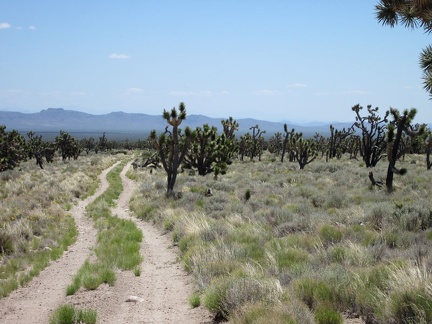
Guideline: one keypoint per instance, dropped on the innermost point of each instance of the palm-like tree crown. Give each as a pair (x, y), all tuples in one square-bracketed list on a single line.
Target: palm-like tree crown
[(411, 14)]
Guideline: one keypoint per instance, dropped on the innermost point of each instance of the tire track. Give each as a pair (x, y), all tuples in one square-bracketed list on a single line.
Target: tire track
[(163, 286), (35, 302)]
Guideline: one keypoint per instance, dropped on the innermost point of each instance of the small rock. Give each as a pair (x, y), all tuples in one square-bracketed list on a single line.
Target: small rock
[(134, 299)]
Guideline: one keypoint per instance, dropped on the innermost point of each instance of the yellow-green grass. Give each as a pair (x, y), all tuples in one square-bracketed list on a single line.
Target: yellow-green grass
[(321, 237), (68, 314)]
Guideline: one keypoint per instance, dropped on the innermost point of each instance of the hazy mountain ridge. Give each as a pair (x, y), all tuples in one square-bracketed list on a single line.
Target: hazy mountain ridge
[(56, 119)]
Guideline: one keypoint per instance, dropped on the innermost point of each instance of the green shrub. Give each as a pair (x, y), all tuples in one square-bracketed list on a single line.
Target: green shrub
[(324, 315), (410, 307), (330, 234), (248, 194), (195, 300), (260, 313), (314, 292), (378, 216), (137, 271), (214, 296), (338, 254), (6, 246), (289, 258), (67, 314), (228, 294), (336, 200)]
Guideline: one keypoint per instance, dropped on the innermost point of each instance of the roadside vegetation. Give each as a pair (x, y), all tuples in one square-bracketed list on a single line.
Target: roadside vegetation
[(35, 226), (68, 314), (273, 243)]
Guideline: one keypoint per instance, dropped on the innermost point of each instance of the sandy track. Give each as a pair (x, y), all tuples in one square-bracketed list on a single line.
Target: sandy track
[(35, 302), (163, 285)]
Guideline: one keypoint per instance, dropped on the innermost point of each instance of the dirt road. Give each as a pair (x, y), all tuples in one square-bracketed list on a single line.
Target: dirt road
[(161, 292)]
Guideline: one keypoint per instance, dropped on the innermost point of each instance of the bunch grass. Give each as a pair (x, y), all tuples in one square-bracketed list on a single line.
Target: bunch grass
[(323, 237)]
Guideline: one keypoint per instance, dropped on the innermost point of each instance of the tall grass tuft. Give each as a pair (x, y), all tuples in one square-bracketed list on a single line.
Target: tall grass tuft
[(68, 314)]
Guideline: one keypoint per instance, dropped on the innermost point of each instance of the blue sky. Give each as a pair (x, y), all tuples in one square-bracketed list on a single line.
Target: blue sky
[(274, 60)]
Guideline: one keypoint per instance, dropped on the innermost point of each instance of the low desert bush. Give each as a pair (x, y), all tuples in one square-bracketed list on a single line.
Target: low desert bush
[(324, 315), (195, 300), (68, 314), (228, 294), (407, 298), (322, 235), (330, 234)]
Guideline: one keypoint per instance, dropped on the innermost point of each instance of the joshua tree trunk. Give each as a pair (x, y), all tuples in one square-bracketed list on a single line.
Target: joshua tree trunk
[(170, 151), (401, 125)]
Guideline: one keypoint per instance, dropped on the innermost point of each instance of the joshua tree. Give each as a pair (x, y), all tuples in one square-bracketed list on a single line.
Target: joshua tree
[(88, 144), (202, 151), (67, 145), (275, 143), (209, 152), (36, 148), (229, 127), (286, 143), (225, 150), (49, 152), (372, 127), (400, 125), (103, 143), (305, 151), (321, 143), (12, 149), (411, 14), (171, 145), (257, 142), (337, 141), (428, 143), (245, 145)]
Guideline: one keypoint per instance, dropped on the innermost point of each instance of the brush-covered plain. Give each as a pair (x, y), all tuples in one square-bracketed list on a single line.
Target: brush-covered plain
[(282, 245)]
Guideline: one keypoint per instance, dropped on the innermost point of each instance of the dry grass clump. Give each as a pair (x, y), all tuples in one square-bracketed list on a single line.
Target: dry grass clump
[(34, 224), (324, 237)]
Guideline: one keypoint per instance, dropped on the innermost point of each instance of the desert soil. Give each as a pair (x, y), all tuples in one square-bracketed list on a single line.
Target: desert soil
[(159, 295)]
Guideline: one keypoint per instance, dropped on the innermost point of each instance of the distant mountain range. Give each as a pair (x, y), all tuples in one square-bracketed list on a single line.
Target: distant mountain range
[(134, 125)]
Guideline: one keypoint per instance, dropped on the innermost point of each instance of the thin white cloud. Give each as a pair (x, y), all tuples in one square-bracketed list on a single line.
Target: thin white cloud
[(5, 25), (296, 85), (31, 27), (132, 91), (119, 56), (202, 93), (78, 93), (54, 94), (342, 93), (267, 93), (11, 92)]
